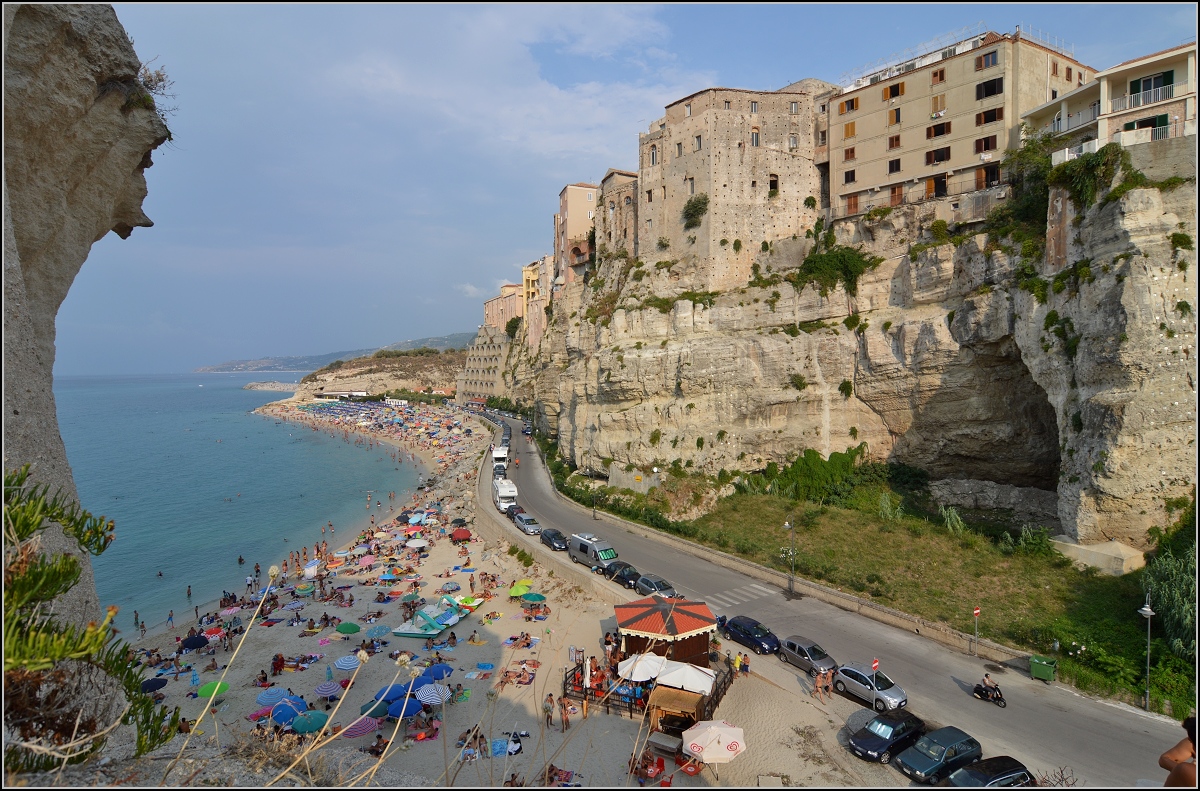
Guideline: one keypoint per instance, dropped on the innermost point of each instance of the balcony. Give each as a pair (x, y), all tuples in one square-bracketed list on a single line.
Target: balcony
[(1074, 120), (1145, 98)]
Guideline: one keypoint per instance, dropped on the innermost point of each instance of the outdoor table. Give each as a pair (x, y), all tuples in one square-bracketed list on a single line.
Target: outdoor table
[(664, 744)]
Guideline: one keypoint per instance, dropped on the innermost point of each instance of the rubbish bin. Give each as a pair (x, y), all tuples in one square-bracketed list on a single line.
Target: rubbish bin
[(1042, 667)]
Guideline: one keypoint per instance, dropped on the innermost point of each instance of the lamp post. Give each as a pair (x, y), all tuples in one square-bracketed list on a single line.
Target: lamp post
[(792, 579), (1147, 613)]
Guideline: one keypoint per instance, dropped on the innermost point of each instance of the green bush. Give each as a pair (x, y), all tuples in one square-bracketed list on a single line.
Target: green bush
[(655, 436), (695, 208), (663, 243), (699, 443), (737, 245), (940, 231), (846, 388), (511, 326), (765, 247), (810, 202), (798, 381), (828, 264), (851, 321), (791, 329)]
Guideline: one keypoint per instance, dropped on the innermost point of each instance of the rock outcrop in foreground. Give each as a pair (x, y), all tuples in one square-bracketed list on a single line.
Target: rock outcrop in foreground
[(77, 138), (1077, 413)]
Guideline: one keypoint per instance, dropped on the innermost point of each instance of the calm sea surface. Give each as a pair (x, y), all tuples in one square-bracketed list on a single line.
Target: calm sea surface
[(193, 480)]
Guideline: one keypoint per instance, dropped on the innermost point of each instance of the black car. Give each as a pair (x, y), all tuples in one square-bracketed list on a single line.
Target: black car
[(513, 510), (749, 632), (622, 573), (886, 735), (998, 771), (554, 539)]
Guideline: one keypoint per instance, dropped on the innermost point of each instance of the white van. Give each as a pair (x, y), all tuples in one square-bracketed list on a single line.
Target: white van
[(500, 454), (504, 494), (590, 550)]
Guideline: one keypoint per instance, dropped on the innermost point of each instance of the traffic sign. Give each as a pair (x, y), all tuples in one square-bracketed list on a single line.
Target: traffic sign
[(874, 665), (976, 612)]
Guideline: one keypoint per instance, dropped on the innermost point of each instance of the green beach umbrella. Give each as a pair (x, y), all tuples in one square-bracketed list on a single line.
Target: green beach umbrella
[(376, 708), (348, 628), (410, 597), (534, 597), (211, 688), (518, 590), (309, 722)]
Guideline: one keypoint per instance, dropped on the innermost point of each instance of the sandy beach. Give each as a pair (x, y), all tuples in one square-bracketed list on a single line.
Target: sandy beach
[(792, 739)]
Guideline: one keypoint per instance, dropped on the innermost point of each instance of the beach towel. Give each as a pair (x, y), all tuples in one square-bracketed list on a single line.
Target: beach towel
[(271, 622), (479, 674), (255, 716), (464, 695), (324, 641), (532, 676), (499, 747), (485, 666)]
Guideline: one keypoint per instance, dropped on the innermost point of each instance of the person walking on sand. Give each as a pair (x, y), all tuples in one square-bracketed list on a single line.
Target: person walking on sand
[(250, 581), (548, 708), (745, 664), (564, 713), (171, 620), (472, 583), (737, 665), (257, 571)]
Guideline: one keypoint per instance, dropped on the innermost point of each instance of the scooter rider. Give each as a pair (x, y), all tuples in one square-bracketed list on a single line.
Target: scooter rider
[(990, 687)]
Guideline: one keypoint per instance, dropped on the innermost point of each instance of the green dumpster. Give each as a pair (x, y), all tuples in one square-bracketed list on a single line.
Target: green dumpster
[(1042, 667)]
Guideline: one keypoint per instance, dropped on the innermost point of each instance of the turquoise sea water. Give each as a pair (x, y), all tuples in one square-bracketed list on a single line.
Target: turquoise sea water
[(193, 479)]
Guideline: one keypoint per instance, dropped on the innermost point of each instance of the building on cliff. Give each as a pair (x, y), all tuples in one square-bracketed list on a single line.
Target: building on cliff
[(535, 294), (572, 228), (482, 375), (498, 311), (616, 225), (937, 123)]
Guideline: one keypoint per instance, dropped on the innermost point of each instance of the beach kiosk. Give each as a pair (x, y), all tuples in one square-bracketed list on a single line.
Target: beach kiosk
[(677, 629)]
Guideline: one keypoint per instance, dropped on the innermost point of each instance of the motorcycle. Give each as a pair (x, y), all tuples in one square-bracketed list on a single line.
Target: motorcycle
[(993, 695)]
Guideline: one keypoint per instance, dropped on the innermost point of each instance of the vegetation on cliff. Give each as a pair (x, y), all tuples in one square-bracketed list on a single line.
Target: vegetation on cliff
[(829, 264)]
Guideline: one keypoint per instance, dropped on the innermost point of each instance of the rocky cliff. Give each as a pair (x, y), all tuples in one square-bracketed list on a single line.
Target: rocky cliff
[(381, 374), (1084, 401), (77, 137)]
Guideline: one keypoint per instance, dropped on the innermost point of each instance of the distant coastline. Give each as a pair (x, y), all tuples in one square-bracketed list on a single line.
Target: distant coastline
[(283, 387)]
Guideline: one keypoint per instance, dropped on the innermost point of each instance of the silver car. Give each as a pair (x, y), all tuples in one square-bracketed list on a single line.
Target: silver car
[(858, 680), (649, 584), (805, 654), (529, 526)]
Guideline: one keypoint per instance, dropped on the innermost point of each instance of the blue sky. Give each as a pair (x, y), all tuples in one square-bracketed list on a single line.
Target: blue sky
[(350, 176)]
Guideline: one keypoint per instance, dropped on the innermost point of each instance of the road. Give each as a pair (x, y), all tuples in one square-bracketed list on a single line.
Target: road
[(1044, 726)]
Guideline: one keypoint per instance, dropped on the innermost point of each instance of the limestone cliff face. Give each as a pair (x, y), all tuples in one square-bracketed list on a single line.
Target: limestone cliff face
[(74, 157), (380, 374), (957, 370)]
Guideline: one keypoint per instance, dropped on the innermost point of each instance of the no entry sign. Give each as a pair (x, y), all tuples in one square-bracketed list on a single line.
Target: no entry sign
[(874, 665), (976, 612)]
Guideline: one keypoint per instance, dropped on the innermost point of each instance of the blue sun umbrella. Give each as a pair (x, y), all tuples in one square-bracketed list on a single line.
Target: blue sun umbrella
[(377, 631), (422, 681), (152, 684), (270, 697), (438, 672), (391, 693), (287, 710), (405, 707), (347, 663)]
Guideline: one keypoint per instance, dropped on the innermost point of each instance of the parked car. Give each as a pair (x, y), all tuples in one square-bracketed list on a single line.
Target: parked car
[(529, 526), (554, 539), (648, 584), (998, 771), (857, 680), (937, 754), (889, 734), (622, 573), (751, 633), (805, 654), (512, 511)]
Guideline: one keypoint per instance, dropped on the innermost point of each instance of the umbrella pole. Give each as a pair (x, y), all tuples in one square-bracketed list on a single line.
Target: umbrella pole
[(445, 750)]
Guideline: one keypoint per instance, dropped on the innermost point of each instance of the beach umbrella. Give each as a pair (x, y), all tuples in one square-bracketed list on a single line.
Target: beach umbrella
[(310, 722), (459, 522), (410, 597), (361, 549), (376, 708), (641, 667), (534, 597), (195, 677), (334, 564), (305, 591), (417, 543), (387, 576), (341, 553), (152, 684), (392, 692), (439, 672), (327, 688), (214, 633), (382, 534), (348, 627), (360, 728), (195, 641), (377, 631), (268, 589), (328, 673), (415, 519), (681, 675), (287, 710), (294, 605), (212, 688), (347, 663), (714, 741), (518, 590), (525, 581), (312, 564), (366, 560), (434, 694), (461, 534), (230, 610), (421, 681), (405, 707), (271, 696)]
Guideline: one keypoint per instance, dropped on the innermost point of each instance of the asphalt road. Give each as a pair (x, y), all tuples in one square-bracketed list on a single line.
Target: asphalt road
[(1044, 726)]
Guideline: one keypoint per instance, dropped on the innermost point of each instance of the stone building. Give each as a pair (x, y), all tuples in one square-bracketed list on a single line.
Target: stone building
[(616, 225), (572, 227), (751, 154), (936, 124), (482, 377), (497, 311), (535, 292)]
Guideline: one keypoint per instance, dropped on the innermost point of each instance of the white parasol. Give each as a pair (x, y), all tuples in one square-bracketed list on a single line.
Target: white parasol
[(714, 741), (641, 667)]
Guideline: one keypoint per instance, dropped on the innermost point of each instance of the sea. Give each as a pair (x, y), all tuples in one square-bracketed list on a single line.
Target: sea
[(193, 479)]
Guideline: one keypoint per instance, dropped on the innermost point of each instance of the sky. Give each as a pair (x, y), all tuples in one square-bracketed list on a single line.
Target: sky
[(349, 176)]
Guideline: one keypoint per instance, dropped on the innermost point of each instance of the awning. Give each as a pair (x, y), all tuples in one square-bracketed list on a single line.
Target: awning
[(675, 701), (672, 619)]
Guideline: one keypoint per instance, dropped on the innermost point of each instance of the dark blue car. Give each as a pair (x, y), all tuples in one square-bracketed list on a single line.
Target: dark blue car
[(750, 633)]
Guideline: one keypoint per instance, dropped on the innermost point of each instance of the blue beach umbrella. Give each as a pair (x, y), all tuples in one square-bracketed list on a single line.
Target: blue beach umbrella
[(391, 693), (347, 663), (405, 707), (287, 710), (422, 681), (269, 697), (152, 684), (438, 672)]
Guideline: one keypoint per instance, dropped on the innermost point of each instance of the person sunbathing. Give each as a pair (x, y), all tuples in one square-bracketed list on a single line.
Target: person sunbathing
[(379, 746), (429, 644), (525, 642), (452, 641), (211, 666), (261, 681), (380, 597)]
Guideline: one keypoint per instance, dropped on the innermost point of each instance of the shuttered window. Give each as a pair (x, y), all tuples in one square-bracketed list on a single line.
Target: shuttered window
[(989, 116), (937, 155), (985, 144), (848, 130), (848, 106), (937, 130), (893, 91), (990, 88)]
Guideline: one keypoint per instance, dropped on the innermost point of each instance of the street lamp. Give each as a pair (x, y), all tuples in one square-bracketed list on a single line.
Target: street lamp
[(792, 579), (1147, 613)]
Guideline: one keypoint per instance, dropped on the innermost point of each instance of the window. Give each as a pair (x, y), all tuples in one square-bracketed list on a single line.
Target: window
[(1053, 94), (649, 224), (699, 142), (893, 116), (728, 105), (754, 138), (849, 177), (987, 60), (939, 76), (794, 108), (822, 137), (937, 130), (628, 201), (1070, 73), (653, 155), (989, 116), (937, 104), (793, 141), (893, 166), (589, 215), (664, 193), (774, 182), (649, 196), (679, 149), (893, 142), (821, 110), (753, 185), (848, 131), (988, 176), (985, 144), (754, 107), (852, 204), (589, 197), (1053, 68), (893, 91), (896, 194), (848, 106), (687, 110), (990, 88), (937, 155), (849, 154), (691, 185)]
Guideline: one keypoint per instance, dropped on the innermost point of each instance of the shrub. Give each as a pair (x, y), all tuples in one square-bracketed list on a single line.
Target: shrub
[(1183, 309), (798, 381), (829, 264), (724, 242), (695, 208), (765, 246), (663, 243), (511, 327), (810, 202), (737, 245), (851, 321), (846, 388), (878, 213), (655, 436), (940, 231), (887, 325), (721, 435), (699, 443), (791, 329), (1181, 241)]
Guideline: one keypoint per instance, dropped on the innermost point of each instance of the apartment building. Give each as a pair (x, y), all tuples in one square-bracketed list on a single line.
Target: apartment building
[(482, 377), (1152, 97), (751, 153), (572, 227), (535, 292), (616, 223), (937, 123)]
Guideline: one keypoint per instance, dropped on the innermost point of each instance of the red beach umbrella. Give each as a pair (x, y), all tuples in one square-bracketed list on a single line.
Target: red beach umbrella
[(461, 534)]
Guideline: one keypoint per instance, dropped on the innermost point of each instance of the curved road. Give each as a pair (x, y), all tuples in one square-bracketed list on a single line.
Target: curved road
[(1044, 726)]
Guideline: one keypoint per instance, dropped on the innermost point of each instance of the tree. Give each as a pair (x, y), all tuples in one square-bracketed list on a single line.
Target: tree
[(60, 682), (512, 326)]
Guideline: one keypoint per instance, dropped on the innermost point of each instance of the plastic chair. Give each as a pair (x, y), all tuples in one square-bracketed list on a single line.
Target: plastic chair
[(666, 781)]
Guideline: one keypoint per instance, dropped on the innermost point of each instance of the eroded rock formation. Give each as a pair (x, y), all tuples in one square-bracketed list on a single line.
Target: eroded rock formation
[(77, 138)]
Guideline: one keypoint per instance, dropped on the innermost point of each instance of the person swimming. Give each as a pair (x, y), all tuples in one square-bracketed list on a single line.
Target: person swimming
[(241, 560)]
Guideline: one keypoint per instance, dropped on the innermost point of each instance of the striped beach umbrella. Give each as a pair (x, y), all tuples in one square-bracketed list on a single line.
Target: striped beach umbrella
[(269, 697), (405, 707), (327, 688), (360, 728), (230, 610), (347, 663), (434, 694)]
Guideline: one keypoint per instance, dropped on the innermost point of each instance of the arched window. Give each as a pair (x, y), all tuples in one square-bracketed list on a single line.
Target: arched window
[(653, 155)]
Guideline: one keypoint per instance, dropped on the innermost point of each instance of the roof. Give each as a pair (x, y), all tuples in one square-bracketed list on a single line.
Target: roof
[(672, 699), (655, 616), (1191, 44), (947, 736), (736, 90)]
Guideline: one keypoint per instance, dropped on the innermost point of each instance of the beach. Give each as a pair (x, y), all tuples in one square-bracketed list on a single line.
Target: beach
[(792, 738)]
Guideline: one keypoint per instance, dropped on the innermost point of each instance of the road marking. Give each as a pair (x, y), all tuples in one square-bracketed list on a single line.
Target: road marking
[(765, 591)]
